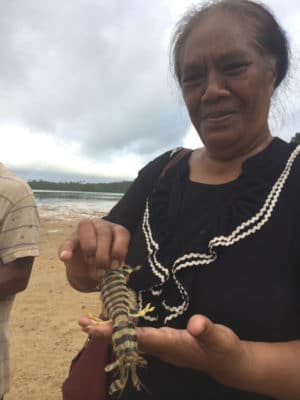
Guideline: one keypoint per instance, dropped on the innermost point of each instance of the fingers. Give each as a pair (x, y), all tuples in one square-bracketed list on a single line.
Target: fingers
[(102, 329), (87, 238), (66, 249), (119, 248), (203, 346), (199, 325), (153, 340), (96, 245), (111, 244), (212, 336), (102, 243), (164, 343)]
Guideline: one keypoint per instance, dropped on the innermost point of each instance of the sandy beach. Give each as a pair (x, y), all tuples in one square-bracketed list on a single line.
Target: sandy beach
[(44, 332)]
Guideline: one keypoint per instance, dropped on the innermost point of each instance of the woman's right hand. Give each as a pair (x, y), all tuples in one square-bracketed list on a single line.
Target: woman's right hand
[(94, 246)]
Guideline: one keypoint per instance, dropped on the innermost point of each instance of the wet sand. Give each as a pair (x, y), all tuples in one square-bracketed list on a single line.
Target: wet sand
[(44, 332)]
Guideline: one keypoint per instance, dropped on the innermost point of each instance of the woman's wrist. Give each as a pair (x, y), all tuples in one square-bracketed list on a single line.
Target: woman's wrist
[(235, 368), (271, 369)]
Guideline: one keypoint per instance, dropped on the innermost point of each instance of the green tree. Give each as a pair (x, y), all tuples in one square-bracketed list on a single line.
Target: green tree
[(113, 187), (296, 138)]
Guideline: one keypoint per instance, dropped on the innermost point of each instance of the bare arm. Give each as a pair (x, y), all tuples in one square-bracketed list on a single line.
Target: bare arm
[(271, 369), (14, 276)]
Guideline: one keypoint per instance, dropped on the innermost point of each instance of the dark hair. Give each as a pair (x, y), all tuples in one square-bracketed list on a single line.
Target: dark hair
[(269, 35)]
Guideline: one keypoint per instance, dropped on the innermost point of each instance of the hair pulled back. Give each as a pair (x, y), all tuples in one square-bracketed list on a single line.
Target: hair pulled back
[(269, 35)]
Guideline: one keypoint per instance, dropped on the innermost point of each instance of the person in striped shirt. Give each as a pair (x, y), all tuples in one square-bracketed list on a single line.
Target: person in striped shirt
[(19, 234)]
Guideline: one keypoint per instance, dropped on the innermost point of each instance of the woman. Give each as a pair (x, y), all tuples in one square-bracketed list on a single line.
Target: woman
[(217, 236)]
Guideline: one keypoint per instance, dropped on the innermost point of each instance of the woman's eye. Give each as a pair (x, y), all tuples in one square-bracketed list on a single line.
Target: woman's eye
[(235, 68), (192, 80)]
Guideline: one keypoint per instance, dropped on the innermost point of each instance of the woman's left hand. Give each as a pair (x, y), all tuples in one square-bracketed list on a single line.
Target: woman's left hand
[(271, 368), (203, 345)]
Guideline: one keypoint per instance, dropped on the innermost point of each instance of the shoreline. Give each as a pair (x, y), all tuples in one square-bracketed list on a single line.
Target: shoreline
[(60, 213), (44, 332)]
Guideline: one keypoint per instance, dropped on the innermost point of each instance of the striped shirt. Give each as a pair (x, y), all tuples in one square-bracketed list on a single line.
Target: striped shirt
[(19, 233)]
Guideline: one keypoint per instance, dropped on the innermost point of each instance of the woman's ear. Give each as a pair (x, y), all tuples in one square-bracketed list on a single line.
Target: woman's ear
[(273, 73)]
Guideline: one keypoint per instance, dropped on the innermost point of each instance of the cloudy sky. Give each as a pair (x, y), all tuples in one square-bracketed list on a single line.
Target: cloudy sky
[(86, 92)]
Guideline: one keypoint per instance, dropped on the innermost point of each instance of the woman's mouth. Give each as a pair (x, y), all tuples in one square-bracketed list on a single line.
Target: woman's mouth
[(218, 118)]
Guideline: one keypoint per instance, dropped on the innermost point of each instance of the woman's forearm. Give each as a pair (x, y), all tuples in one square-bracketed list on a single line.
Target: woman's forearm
[(272, 369)]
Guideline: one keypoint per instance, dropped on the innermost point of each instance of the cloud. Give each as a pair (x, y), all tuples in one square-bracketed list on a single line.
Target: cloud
[(92, 72), (62, 161), (85, 86)]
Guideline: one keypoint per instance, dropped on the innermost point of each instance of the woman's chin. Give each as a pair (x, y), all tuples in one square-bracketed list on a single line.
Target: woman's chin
[(220, 139)]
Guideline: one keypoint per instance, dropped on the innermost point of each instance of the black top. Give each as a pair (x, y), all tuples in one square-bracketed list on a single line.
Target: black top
[(228, 251)]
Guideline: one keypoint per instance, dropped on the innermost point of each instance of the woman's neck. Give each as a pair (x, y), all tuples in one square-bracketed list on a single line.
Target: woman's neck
[(212, 168)]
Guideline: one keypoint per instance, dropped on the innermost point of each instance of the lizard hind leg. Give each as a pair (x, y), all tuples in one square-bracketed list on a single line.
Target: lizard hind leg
[(136, 362), (113, 365)]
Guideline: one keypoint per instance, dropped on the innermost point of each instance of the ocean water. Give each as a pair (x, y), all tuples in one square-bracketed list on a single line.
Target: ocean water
[(74, 202)]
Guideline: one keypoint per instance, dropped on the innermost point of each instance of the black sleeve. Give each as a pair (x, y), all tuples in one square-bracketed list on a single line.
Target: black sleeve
[(129, 210)]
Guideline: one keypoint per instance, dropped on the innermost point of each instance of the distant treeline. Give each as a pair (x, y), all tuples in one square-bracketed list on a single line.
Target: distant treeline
[(113, 187)]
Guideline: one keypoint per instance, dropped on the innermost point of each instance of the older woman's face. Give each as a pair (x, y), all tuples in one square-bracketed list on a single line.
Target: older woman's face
[(227, 83)]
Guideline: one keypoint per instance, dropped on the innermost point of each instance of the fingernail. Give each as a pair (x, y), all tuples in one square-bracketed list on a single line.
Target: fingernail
[(115, 264), (64, 254)]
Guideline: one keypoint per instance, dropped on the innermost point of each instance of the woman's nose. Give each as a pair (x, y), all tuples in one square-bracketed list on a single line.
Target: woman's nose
[(215, 87)]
